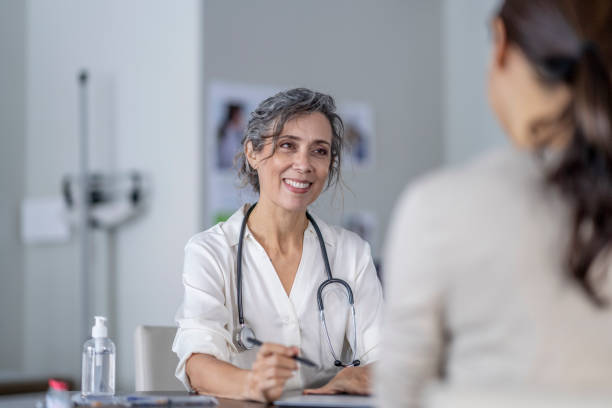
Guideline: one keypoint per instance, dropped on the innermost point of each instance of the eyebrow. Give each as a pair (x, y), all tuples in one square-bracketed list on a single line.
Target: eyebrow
[(318, 141)]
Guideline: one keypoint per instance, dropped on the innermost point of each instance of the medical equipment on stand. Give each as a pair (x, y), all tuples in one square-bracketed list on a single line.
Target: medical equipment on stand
[(112, 199), (98, 200)]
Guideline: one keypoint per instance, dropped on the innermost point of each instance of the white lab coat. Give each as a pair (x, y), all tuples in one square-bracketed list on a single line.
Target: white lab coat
[(209, 313)]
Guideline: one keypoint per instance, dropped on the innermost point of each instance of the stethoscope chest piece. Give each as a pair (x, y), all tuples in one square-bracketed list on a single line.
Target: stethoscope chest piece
[(241, 336)]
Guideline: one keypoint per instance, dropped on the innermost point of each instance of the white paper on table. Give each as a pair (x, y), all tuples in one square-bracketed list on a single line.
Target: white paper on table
[(43, 220)]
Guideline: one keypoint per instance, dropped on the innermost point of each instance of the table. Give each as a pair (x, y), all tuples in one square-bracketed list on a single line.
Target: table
[(30, 400)]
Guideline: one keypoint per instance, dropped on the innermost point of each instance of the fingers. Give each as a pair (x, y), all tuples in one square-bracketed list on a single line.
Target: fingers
[(277, 372), (361, 391), (350, 380), (272, 368), (273, 348), (266, 390), (321, 391), (272, 394), (275, 355), (280, 362), (271, 383), (272, 387)]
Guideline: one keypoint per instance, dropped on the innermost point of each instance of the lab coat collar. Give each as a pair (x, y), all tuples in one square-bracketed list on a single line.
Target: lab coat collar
[(231, 228)]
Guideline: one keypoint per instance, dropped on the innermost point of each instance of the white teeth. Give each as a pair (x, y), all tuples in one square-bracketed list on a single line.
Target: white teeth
[(296, 184)]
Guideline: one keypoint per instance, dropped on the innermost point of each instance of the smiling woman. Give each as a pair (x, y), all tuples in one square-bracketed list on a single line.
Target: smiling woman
[(268, 120), (293, 167), (286, 265)]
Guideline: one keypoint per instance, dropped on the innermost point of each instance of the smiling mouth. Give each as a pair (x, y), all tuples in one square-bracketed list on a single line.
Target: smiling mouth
[(298, 186)]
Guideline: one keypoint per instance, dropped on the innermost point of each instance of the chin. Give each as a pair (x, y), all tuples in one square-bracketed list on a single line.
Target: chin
[(295, 206), (295, 203)]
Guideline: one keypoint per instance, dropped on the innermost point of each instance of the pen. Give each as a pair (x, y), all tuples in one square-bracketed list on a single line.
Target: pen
[(296, 358)]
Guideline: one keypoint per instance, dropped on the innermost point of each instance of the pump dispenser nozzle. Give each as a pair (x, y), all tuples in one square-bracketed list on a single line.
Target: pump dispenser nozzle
[(99, 330)]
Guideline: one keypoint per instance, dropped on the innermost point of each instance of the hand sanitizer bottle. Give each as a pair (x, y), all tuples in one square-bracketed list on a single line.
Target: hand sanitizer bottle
[(98, 375)]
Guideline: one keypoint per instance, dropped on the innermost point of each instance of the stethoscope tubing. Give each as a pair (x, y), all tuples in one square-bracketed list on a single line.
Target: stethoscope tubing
[(239, 265), (330, 280)]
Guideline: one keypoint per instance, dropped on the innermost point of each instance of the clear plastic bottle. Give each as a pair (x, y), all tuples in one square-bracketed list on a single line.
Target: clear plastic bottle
[(58, 395), (98, 370)]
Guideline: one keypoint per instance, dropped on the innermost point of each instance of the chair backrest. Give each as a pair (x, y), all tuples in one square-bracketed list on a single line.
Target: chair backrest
[(154, 359)]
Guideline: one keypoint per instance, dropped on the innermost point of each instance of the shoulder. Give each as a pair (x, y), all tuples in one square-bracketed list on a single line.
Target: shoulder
[(348, 253), (350, 240), (486, 170), (339, 237), (209, 258), (488, 181), (218, 239), (462, 203), (210, 240)]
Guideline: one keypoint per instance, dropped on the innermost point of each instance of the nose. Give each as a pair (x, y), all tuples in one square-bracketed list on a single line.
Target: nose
[(302, 161)]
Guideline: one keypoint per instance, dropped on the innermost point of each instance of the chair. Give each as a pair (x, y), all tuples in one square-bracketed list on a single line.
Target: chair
[(154, 359)]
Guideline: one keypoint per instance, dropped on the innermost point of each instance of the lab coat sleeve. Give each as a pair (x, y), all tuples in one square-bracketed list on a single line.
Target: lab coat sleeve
[(203, 317), (368, 306), (412, 328)]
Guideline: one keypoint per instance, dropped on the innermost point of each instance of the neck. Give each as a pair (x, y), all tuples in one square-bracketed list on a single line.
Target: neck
[(277, 229)]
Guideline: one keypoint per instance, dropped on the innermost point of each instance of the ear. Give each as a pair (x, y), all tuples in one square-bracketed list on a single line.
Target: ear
[(250, 155), (500, 43)]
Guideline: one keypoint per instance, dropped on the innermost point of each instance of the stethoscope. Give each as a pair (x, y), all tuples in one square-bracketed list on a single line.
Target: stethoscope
[(244, 332)]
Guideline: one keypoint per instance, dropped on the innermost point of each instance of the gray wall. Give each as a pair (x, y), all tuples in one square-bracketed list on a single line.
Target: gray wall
[(388, 54), (470, 127), (12, 154), (144, 59)]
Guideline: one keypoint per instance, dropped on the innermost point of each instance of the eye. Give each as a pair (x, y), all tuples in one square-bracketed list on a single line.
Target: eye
[(321, 151), (285, 145)]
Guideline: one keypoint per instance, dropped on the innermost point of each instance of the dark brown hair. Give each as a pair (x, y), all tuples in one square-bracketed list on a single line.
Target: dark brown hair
[(570, 42)]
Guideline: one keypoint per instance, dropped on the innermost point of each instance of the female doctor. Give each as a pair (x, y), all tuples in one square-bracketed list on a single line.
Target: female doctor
[(274, 273)]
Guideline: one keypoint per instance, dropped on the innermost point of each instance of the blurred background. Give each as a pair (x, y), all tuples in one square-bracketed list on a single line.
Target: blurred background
[(412, 72)]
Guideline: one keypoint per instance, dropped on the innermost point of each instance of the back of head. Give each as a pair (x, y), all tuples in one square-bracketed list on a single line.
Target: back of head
[(570, 42)]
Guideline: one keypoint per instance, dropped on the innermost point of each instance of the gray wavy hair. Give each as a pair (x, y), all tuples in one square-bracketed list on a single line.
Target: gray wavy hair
[(269, 118)]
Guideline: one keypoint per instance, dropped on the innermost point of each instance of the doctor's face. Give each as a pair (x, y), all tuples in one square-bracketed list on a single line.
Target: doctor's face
[(293, 176)]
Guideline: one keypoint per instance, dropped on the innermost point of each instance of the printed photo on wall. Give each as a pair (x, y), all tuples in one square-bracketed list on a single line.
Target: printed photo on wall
[(363, 223), (358, 134), (229, 133), (228, 109)]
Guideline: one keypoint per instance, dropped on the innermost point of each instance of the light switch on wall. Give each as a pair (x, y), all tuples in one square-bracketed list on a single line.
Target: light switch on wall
[(44, 220)]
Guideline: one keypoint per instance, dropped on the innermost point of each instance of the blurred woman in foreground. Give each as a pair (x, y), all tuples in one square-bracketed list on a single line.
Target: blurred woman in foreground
[(499, 272)]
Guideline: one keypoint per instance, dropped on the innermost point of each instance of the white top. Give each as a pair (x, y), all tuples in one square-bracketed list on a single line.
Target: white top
[(476, 288), (209, 313)]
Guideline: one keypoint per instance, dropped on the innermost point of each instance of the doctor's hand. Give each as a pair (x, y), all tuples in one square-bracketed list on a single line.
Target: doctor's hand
[(270, 371), (350, 380)]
